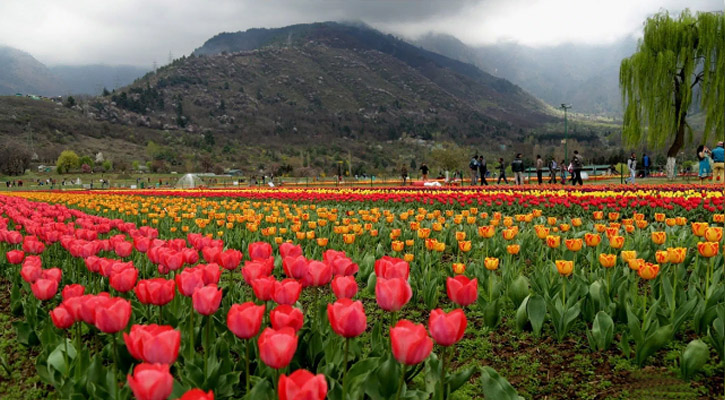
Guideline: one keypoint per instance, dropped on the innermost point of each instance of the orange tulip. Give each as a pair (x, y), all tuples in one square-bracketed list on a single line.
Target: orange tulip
[(648, 271), (430, 244), (470, 220), (408, 257), (612, 231), (613, 216), (491, 263), (414, 226), (300, 235), (464, 246), (628, 255), (659, 217), (553, 241), (437, 226), (576, 222), (564, 267), (598, 215), (541, 232), (600, 227), (513, 249), (348, 238), (641, 224), (486, 231), (564, 227), (718, 218), (573, 244), (713, 234), (592, 239), (659, 237), (537, 213), (607, 260), (699, 228), (459, 268), (708, 249), (509, 234), (670, 222), (409, 243), (508, 221), (440, 247), (635, 263), (310, 235), (460, 235), (662, 256), (638, 216), (278, 240), (616, 242), (322, 242), (551, 221), (681, 221), (423, 233), (397, 245), (676, 255), (394, 233)]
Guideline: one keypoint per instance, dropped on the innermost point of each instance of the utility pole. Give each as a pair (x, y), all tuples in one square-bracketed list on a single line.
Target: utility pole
[(565, 107)]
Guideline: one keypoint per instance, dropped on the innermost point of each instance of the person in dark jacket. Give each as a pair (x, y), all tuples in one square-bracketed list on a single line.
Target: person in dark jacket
[(577, 163), (501, 172), (482, 170), (473, 166), (517, 167)]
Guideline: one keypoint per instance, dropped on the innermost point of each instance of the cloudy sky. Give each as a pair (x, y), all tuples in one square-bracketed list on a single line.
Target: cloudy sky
[(139, 32)]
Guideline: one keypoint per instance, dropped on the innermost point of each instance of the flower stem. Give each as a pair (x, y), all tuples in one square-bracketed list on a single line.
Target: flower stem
[(344, 369), (246, 353), (402, 382), (443, 373)]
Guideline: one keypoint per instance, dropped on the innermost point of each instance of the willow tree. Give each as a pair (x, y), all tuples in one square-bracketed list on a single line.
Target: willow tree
[(676, 59)]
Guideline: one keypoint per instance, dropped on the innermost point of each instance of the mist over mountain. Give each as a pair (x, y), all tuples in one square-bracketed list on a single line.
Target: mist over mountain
[(92, 79), (20, 72), (582, 75)]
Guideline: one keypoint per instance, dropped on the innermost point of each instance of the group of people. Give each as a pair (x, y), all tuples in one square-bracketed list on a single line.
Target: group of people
[(716, 157), (479, 170)]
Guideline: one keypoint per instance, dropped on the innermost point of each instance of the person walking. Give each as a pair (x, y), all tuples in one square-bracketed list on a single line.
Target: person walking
[(424, 171), (632, 166), (517, 167), (404, 174), (482, 170), (473, 166), (501, 171), (577, 164), (553, 168), (718, 163), (539, 169), (646, 162), (563, 170), (703, 154)]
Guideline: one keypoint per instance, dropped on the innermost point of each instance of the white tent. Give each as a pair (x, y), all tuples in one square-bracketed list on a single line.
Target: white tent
[(189, 181)]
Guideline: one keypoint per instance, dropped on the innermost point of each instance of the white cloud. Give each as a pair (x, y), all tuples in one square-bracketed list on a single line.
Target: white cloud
[(142, 31)]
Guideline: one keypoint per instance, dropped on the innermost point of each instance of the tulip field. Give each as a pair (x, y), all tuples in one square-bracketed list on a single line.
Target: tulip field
[(364, 293)]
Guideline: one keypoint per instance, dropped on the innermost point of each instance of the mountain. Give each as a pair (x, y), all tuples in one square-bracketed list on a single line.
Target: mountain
[(585, 76), (21, 73), (91, 79)]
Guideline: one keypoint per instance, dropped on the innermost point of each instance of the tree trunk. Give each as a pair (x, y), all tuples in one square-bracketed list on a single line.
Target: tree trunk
[(675, 148), (670, 167)]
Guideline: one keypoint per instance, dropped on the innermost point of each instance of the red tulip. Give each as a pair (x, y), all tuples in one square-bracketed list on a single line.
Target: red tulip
[(289, 250), (295, 267), (341, 265), (15, 256), (124, 278), (151, 382), (123, 249), (286, 316), (90, 303), (113, 316), (44, 289), (153, 343), (461, 290), (212, 273), (156, 291), (447, 329), (61, 317), (211, 254), (277, 347), (189, 280), (244, 320), (347, 318), (392, 294), (302, 385), (259, 250), (206, 300), (141, 243), (286, 292), (171, 261), (52, 273), (254, 270), (410, 342), (31, 272), (264, 288), (318, 274), (191, 256), (391, 267), (33, 246), (230, 259), (344, 287), (197, 394), (74, 290), (73, 306)]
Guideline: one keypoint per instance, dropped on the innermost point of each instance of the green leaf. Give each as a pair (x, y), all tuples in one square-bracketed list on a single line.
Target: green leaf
[(25, 333), (536, 310), (521, 317), (455, 381), (602, 332), (694, 358), (519, 290), (495, 386)]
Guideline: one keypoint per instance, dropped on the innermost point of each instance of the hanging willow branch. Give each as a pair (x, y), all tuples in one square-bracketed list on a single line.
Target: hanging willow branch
[(674, 57)]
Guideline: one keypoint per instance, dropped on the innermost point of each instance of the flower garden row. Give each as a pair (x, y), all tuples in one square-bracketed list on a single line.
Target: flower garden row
[(231, 297)]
